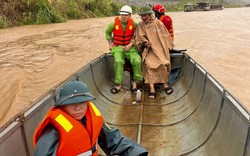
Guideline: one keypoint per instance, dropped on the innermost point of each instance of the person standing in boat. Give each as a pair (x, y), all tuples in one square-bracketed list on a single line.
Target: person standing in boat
[(152, 36), (75, 126), (119, 35), (159, 12)]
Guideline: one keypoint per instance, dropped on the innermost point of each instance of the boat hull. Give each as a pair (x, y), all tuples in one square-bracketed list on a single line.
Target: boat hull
[(199, 118)]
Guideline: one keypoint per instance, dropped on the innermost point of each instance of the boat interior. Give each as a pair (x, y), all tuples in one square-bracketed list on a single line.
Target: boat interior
[(200, 117)]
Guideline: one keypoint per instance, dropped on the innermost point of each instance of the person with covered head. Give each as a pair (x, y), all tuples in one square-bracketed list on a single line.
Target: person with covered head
[(159, 11), (153, 39), (74, 126), (119, 35)]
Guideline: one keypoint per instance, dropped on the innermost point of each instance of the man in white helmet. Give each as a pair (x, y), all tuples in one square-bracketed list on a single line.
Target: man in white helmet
[(119, 35)]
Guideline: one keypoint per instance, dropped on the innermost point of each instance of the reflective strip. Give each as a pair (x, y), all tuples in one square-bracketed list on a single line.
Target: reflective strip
[(64, 122), (107, 126), (88, 153), (117, 27), (97, 113)]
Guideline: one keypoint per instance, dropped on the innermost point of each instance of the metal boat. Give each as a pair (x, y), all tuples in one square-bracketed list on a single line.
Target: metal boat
[(200, 118)]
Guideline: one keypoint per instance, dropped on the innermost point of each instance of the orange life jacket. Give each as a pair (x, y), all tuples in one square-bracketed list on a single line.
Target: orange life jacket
[(120, 37), (171, 29), (75, 138)]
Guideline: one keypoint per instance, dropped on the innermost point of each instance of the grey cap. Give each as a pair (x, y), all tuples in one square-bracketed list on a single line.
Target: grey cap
[(74, 92)]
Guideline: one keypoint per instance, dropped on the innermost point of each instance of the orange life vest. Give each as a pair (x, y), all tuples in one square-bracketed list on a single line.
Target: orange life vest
[(75, 138), (171, 29), (120, 37)]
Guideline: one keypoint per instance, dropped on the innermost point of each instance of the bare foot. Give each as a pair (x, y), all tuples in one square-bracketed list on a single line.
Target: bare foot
[(116, 89), (134, 85), (168, 88), (152, 93)]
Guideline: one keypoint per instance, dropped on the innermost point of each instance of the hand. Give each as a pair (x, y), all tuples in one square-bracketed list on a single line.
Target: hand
[(127, 47), (148, 44), (110, 46)]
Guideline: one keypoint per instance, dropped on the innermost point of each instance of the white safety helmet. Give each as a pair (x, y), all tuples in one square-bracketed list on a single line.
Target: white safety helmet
[(125, 10)]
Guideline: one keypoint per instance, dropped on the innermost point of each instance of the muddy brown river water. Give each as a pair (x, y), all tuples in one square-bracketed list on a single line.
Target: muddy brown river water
[(36, 58)]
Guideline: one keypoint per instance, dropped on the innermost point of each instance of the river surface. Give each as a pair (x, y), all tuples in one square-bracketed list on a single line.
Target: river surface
[(36, 58)]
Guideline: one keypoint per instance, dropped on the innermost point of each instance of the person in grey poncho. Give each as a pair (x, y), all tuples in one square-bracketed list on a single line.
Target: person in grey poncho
[(153, 39)]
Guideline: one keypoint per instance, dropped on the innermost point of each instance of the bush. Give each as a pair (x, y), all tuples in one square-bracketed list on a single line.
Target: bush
[(3, 22), (27, 18), (73, 10), (45, 13), (115, 8)]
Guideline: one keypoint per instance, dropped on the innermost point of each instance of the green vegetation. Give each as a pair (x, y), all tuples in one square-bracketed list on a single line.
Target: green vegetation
[(231, 6), (25, 12), (3, 22)]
